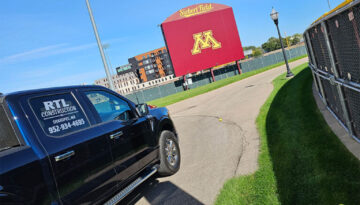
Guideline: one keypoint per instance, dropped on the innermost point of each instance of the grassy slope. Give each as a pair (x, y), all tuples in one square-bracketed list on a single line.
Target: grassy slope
[(168, 100), (301, 161)]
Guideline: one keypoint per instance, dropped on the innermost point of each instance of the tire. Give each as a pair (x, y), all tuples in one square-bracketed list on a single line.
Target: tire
[(169, 152)]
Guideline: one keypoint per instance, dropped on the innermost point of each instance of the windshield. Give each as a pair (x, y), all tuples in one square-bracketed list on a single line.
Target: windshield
[(7, 135)]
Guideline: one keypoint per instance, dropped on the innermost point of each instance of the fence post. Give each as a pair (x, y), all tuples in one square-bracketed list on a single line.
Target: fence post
[(142, 93), (212, 74), (314, 64), (159, 92), (238, 67), (289, 49), (338, 86), (310, 60)]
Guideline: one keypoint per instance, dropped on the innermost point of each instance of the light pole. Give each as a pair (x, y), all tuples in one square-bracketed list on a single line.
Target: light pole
[(108, 75), (275, 17), (106, 46)]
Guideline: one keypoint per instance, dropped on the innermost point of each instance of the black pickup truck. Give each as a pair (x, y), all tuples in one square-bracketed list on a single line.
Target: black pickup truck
[(80, 145)]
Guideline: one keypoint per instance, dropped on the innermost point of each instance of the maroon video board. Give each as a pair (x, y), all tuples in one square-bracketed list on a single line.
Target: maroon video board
[(202, 36)]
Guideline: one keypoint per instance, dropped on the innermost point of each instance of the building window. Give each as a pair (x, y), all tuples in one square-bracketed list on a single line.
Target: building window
[(149, 72)]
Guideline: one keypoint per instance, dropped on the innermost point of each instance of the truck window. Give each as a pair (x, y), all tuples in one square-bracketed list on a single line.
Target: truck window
[(110, 107), (59, 114), (8, 138)]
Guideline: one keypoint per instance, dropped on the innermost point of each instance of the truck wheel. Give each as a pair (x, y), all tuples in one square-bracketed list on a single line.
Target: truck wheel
[(169, 154)]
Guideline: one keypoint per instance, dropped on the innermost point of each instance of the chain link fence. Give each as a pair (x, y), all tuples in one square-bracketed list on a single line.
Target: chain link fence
[(221, 73), (333, 45)]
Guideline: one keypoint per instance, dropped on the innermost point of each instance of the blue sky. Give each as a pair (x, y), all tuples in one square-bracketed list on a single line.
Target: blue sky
[(51, 43)]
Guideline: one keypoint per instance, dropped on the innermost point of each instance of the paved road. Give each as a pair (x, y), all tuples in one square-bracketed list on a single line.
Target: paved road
[(218, 140)]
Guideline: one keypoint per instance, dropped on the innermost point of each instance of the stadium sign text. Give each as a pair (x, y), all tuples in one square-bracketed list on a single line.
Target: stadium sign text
[(202, 8)]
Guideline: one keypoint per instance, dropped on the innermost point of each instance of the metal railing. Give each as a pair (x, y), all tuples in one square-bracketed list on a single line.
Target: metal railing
[(333, 46)]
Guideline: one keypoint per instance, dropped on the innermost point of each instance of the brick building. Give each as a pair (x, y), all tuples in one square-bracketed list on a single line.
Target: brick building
[(152, 65)]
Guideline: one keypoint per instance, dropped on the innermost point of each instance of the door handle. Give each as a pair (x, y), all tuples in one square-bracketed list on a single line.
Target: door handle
[(64, 156), (116, 135)]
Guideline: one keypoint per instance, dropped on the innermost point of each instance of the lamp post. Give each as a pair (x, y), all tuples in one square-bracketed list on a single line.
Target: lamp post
[(107, 58), (275, 17)]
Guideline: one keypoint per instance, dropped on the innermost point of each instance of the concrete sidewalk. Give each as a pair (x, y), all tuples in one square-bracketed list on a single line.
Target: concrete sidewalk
[(218, 140)]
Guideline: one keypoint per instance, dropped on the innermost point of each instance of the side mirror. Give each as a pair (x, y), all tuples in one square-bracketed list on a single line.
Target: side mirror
[(143, 109)]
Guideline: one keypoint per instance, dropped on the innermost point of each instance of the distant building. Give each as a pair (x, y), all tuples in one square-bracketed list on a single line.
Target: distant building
[(248, 53), (152, 65), (145, 70), (124, 83), (156, 82), (125, 69)]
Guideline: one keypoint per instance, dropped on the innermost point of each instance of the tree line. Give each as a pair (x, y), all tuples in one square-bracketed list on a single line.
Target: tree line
[(273, 44)]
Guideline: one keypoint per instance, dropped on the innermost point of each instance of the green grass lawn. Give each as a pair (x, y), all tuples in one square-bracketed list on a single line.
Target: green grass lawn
[(168, 100), (301, 161)]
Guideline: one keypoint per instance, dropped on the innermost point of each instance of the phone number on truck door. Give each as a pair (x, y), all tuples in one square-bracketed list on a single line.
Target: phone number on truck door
[(66, 126)]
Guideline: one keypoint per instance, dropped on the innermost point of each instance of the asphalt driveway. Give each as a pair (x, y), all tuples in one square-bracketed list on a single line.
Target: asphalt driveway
[(218, 140)]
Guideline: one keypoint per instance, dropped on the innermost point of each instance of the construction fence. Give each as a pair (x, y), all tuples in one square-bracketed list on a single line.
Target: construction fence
[(333, 44), (272, 58)]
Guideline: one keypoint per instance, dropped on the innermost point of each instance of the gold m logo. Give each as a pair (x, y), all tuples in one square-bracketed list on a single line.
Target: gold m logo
[(204, 40)]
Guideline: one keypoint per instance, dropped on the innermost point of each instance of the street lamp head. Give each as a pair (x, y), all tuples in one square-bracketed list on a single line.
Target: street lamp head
[(105, 45), (274, 15)]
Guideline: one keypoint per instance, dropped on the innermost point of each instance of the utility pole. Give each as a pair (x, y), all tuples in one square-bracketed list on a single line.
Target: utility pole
[(106, 46), (108, 75), (287, 40), (329, 4)]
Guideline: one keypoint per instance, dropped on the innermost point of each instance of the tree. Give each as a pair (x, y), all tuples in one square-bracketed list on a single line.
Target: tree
[(271, 45), (288, 41), (274, 43), (248, 48), (257, 52), (295, 39)]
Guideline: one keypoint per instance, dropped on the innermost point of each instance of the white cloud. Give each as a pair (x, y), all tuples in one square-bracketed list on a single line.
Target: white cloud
[(51, 50), (30, 54)]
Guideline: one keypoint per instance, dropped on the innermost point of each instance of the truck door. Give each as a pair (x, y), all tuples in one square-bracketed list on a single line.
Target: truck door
[(124, 128), (78, 150)]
